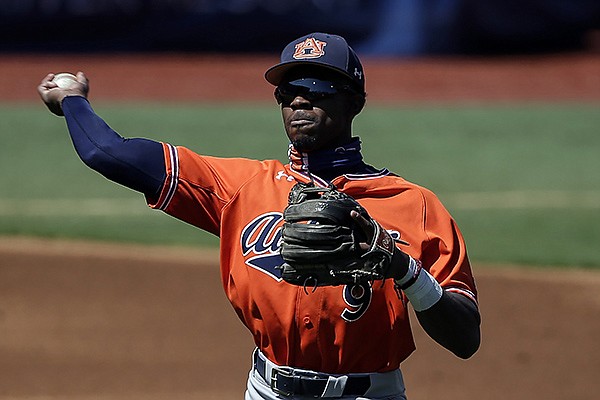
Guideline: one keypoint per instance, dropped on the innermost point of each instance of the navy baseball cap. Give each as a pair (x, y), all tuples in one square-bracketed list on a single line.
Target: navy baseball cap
[(321, 50)]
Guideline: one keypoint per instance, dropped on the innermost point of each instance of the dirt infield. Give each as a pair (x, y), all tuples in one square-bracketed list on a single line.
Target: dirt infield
[(94, 321)]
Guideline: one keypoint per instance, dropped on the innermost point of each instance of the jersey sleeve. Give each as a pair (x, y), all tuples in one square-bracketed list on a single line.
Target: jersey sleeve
[(444, 253), (197, 188)]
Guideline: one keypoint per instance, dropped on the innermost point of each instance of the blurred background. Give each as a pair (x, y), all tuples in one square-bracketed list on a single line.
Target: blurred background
[(513, 85), (494, 105), (375, 27)]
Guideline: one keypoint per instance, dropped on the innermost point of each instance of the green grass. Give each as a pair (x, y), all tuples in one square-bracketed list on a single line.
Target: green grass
[(483, 148), (538, 163), (535, 237)]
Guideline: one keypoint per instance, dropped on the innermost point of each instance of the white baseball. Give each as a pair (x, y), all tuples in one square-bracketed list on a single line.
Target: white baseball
[(64, 80)]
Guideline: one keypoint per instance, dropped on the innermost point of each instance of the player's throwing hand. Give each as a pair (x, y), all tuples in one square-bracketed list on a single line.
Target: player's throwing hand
[(52, 94)]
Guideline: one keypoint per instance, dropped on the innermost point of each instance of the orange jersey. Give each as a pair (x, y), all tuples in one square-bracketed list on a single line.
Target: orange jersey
[(341, 329)]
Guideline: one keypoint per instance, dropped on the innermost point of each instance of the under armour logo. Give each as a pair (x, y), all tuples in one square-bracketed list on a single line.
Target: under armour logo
[(281, 174), (358, 73)]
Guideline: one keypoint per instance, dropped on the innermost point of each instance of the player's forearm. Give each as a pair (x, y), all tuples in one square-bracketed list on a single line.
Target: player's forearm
[(135, 163), (454, 323)]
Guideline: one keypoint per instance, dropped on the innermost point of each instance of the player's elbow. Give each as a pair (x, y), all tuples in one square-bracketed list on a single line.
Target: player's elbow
[(467, 348), (466, 353), (97, 159)]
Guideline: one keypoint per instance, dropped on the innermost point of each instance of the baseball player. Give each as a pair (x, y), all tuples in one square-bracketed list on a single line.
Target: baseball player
[(313, 339)]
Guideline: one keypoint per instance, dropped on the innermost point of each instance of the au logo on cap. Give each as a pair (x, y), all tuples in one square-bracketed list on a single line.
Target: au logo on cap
[(310, 48)]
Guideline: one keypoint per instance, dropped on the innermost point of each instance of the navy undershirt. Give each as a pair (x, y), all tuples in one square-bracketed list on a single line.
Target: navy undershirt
[(136, 163), (333, 162)]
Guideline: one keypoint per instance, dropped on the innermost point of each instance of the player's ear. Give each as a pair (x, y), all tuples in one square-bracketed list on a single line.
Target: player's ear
[(357, 102)]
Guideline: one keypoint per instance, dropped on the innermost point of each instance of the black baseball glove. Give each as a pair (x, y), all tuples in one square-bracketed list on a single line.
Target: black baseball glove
[(321, 242)]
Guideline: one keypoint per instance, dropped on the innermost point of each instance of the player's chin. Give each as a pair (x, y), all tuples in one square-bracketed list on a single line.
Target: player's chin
[(304, 143)]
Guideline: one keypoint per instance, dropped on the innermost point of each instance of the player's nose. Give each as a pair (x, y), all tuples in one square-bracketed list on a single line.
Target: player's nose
[(300, 102)]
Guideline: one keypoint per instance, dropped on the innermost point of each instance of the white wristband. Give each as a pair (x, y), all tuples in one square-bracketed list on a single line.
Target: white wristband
[(425, 292), (411, 275)]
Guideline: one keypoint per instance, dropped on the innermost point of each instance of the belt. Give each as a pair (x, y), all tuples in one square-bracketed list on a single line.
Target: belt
[(287, 381)]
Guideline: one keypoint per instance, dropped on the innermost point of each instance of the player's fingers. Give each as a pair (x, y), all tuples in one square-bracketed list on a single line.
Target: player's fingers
[(44, 88), (47, 82), (83, 79), (364, 246), (366, 226), (362, 222), (49, 95)]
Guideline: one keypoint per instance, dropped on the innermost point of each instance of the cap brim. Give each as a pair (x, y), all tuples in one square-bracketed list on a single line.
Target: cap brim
[(276, 73)]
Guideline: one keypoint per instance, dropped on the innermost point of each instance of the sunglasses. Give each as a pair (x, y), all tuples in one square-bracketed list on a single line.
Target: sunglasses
[(310, 89)]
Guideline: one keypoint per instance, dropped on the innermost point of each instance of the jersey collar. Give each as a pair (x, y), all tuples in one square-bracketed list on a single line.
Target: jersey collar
[(346, 156), (323, 166)]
